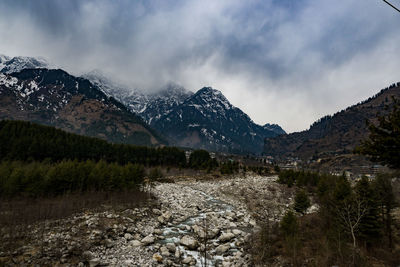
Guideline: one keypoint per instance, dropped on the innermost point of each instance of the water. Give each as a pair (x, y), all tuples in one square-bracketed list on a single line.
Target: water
[(173, 232)]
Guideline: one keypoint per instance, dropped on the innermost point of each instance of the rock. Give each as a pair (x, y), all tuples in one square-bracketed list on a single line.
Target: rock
[(94, 262), (157, 257), (199, 231), (136, 243), (171, 247), (148, 240), (188, 260), (87, 255), (226, 237), (157, 211), (236, 232), (109, 243), (167, 215), (177, 254), (221, 249), (213, 233), (189, 242), (158, 231), (128, 236), (161, 219), (164, 251)]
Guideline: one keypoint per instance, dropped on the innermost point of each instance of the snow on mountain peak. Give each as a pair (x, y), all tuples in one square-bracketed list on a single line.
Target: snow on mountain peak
[(16, 64)]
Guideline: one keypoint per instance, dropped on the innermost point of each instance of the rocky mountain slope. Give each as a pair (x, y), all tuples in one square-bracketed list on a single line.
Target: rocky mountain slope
[(204, 119), (54, 97), (207, 120), (150, 106), (333, 135), (15, 64)]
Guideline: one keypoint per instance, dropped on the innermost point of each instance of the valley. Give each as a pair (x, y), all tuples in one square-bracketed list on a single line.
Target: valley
[(189, 218)]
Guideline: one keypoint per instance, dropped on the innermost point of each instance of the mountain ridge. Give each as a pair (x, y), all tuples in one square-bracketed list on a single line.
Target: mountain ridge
[(56, 98), (335, 134)]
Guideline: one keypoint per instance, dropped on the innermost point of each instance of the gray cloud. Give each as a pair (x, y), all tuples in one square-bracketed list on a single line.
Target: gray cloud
[(281, 61)]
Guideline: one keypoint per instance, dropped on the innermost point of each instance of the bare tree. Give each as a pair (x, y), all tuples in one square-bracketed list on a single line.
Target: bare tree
[(350, 213)]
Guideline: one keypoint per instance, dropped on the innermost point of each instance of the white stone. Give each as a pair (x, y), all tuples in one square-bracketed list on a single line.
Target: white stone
[(148, 240), (189, 242), (226, 237), (136, 243)]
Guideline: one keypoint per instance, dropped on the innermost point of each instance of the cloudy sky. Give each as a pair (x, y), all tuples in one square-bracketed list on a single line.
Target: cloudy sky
[(281, 61)]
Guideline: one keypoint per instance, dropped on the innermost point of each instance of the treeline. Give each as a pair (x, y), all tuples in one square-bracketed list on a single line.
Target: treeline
[(301, 178), (26, 141), (353, 221), (45, 179)]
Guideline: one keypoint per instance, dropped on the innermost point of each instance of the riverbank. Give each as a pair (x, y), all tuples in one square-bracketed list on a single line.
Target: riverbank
[(191, 222)]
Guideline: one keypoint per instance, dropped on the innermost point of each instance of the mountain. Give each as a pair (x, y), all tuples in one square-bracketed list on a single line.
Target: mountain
[(163, 102), (15, 64), (207, 120), (333, 135), (134, 99), (149, 106), (55, 98), (204, 119), (274, 128)]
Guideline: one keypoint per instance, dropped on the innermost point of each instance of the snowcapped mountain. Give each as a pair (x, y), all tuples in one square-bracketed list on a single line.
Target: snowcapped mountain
[(163, 102), (205, 119), (54, 97), (16, 64), (208, 120), (134, 99), (148, 106)]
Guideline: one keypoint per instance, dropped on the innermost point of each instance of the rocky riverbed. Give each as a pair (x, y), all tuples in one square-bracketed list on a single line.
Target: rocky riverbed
[(193, 222)]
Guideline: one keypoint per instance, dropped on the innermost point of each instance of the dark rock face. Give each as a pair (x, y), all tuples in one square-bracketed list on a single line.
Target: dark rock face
[(204, 119), (207, 120)]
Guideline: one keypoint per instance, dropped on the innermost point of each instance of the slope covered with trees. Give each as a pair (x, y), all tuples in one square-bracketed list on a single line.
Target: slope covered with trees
[(28, 141), (333, 135)]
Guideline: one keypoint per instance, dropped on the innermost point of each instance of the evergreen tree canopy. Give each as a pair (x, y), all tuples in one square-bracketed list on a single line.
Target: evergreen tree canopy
[(289, 224), (199, 159), (301, 202), (383, 145), (28, 141)]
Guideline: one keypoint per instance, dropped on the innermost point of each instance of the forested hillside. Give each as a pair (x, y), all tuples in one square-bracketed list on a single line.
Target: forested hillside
[(333, 135), (28, 141)]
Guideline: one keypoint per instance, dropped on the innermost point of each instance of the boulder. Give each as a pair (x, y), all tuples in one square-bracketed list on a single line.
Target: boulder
[(148, 240), (221, 249), (128, 236), (164, 251), (171, 247), (226, 237), (189, 242), (188, 260), (136, 243)]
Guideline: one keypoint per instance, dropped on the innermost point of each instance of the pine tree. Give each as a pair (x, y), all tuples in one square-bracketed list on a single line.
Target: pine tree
[(301, 202), (383, 144)]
